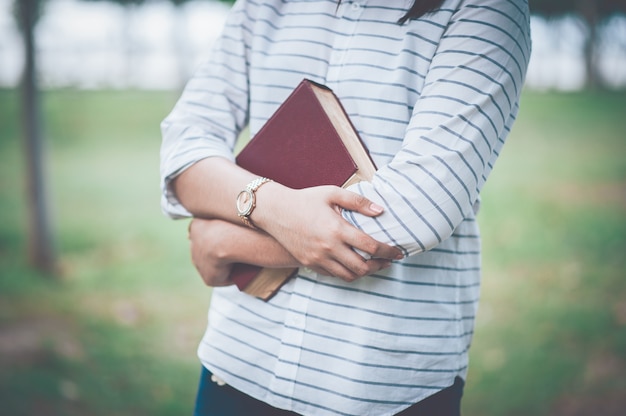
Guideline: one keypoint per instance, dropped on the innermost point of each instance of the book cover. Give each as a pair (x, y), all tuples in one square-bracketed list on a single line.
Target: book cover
[(308, 141)]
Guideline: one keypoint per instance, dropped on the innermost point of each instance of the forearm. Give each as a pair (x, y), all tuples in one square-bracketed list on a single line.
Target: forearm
[(241, 244), (216, 245), (209, 188), (231, 243)]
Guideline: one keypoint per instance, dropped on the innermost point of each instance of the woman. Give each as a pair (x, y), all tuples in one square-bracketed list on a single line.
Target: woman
[(379, 318)]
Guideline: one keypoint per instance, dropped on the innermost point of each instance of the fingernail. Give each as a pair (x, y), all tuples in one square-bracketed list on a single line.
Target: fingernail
[(376, 208)]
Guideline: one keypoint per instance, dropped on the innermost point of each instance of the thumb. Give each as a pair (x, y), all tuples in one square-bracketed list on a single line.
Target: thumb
[(351, 201)]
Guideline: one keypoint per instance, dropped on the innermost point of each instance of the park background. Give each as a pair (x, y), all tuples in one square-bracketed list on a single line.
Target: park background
[(113, 331)]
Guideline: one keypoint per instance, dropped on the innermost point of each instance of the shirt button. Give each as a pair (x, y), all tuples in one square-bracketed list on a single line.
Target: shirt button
[(355, 6)]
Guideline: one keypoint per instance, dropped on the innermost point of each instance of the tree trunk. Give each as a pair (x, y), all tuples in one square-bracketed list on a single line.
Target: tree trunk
[(588, 10), (40, 247)]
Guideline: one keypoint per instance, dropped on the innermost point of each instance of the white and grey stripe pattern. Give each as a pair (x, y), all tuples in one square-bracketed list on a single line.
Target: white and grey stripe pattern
[(434, 100)]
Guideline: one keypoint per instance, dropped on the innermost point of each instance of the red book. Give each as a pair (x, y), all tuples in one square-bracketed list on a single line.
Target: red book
[(308, 141)]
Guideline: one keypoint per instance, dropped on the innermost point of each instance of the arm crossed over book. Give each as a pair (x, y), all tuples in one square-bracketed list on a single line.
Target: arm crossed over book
[(309, 141)]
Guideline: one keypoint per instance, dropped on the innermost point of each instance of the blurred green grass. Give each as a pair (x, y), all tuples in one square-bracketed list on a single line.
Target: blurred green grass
[(117, 333)]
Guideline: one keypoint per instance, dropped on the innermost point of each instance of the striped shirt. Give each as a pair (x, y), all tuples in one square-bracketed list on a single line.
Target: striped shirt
[(433, 100)]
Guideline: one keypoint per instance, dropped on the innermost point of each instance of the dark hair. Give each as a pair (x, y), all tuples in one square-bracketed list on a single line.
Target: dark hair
[(418, 9)]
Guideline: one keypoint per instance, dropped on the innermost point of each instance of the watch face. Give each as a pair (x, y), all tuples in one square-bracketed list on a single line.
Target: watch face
[(245, 202)]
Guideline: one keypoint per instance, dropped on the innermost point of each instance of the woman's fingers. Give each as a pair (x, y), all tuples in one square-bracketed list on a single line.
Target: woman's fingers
[(356, 238), (213, 270)]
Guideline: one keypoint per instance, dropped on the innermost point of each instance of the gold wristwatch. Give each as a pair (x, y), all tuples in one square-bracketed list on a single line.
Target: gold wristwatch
[(246, 200)]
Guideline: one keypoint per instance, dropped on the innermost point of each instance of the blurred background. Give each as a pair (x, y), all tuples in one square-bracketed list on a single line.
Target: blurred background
[(100, 308)]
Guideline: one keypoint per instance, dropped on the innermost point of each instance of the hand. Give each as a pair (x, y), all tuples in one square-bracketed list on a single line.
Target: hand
[(207, 252), (217, 244), (308, 223)]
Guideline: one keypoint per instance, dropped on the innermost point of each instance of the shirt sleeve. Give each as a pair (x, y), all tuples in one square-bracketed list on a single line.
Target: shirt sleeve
[(211, 112), (457, 128)]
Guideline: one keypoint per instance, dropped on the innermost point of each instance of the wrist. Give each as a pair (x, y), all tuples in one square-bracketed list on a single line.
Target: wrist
[(270, 198), (246, 201)]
